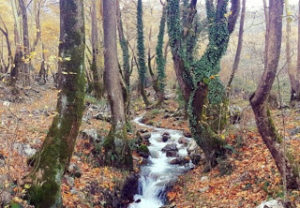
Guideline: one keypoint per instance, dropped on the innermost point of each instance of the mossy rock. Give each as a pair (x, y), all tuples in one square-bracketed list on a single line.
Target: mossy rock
[(143, 151)]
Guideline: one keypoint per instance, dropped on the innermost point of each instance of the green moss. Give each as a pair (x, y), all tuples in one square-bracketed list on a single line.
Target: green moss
[(117, 150), (143, 148)]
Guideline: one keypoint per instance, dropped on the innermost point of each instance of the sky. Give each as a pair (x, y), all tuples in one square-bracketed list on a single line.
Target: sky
[(256, 4)]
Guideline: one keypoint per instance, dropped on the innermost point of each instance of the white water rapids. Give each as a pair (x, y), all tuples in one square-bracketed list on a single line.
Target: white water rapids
[(158, 173)]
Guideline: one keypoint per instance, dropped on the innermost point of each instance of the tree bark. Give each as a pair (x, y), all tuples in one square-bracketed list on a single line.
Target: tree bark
[(116, 146), (126, 65), (96, 61), (141, 52), (4, 31), (239, 46), (53, 159), (259, 99), (295, 94), (195, 87), (26, 59)]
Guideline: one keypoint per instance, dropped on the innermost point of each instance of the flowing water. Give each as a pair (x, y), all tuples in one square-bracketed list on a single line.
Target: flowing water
[(158, 174)]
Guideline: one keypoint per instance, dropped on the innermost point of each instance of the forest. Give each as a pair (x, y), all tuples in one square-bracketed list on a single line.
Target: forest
[(150, 103)]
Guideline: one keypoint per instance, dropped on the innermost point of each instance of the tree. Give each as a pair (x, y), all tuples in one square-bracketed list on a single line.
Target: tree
[(98, 84), (141, 51), (196, 78), (26, 55), (295, 94), (126, 73), (160, 59), (116, 147), (53, 159), (239, 46), (4, 31), (258, 100)]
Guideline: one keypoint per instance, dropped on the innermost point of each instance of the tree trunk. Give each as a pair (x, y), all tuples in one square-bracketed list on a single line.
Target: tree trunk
[(161, 60), (259, 99), (26, 59), (141, 52), (116, 145), (96, 61), (239, 46), (126, 65), (295, 88), (196, 87), (4, 31), (53, 159)]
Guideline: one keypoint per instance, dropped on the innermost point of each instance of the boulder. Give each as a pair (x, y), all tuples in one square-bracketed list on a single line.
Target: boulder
[(294, 131), (187, 134), (130, 188), (91, 135), (183, 140), (166, 136), (271, 204), (143, 151), (171, 150), (69, 180), (74, 170), (5, 197), (180, 161), (235, 113)]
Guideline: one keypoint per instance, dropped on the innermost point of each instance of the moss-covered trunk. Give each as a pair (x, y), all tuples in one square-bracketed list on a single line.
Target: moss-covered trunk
[(160, 59), (116, 146), (197, 78), (52, 160), (125, 57), (141, 52)]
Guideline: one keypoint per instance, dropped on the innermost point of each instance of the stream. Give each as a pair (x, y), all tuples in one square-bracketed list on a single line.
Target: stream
[(158, 174)]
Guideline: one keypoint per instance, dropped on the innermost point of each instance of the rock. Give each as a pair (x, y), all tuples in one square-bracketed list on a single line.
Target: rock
[(235, 113), (271, 204), (166, 136), (192, 146), (91, 135), (173, 205), (2, 162), (130, 188), (102, 117), (70, 181), (143, 151), (6, 103), (29, 151), (74, 170), (146, 136), (5, 197), (294, 131), (196, 158), (187, 134), (204, 189), (171, 150), (183, 140), (204, 178), (180, 161), (24, 149)]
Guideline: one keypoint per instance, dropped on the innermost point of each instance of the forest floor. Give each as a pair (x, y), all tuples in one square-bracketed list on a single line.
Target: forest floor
[(248, 177)]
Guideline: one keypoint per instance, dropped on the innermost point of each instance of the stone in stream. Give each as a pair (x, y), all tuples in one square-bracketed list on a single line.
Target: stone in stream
[(187, 134), (183, 140), (171, 150), (180, 161), (143, 137), (130, 188), (166, 136)]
